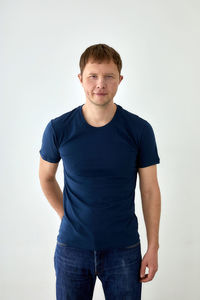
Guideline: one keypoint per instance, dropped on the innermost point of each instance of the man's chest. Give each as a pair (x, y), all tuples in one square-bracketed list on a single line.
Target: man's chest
[(110, 153)]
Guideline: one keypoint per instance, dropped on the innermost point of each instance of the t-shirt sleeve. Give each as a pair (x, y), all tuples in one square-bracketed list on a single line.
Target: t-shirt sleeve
[(49, 150), (148, 153)]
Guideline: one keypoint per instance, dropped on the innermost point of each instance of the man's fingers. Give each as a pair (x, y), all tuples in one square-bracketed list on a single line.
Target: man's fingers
[(142, 269), (145, 276), (149, 276)]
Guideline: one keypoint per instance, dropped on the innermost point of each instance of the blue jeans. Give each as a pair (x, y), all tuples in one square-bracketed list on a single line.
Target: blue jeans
[(118, 270)]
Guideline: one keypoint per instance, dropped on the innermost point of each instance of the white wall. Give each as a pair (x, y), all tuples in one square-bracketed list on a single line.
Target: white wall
[(159, 43)]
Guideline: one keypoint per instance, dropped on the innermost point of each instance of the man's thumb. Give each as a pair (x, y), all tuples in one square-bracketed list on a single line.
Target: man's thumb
[(142, 270)]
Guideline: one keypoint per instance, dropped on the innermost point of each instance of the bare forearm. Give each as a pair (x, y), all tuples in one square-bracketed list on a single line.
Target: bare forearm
[(54, 195), (151, 204)]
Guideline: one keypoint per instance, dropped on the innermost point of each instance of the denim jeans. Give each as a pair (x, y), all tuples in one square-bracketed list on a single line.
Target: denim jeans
[(118, 270)]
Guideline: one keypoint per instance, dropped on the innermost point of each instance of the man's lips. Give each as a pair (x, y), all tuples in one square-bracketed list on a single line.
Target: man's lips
[(101, 94)]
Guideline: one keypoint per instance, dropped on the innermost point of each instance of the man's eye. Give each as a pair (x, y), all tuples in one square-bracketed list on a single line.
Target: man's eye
[(110, 76)]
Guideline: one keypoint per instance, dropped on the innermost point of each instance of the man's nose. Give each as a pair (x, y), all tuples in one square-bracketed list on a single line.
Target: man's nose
[(101, 83)]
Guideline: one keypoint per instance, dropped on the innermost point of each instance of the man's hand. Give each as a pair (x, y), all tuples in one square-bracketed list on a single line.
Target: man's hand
[(149, 260)]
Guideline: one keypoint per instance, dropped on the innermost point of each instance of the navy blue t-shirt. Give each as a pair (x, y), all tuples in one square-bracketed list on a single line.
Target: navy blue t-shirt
[(100, 171)]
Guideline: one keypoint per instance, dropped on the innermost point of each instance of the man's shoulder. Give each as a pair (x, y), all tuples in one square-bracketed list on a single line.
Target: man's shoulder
[(64, 120), (65, 116), (134, 119)]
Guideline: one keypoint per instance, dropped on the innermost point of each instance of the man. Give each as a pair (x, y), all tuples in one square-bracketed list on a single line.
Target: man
[(103, 147)]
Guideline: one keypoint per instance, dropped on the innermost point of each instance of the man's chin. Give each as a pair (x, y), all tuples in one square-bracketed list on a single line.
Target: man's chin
[(102, 101)]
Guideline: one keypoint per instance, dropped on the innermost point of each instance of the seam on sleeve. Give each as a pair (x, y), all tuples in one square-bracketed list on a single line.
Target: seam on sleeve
[(45, 157), (142, 134), (147, 164), (54, 134)]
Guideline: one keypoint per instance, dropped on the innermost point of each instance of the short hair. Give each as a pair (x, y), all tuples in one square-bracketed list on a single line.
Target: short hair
[(99, 53)]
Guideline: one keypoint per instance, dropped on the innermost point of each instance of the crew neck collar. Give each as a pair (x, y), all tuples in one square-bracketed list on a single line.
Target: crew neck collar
[(110, 123)]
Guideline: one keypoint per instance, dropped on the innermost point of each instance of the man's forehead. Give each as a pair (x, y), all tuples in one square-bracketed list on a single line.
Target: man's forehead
[(107, 68)]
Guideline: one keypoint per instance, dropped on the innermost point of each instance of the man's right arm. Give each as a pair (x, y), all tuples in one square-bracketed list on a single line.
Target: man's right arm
[(50, 186)]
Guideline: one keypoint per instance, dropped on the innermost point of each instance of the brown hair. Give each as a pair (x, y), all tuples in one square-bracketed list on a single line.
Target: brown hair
[(99, 53)]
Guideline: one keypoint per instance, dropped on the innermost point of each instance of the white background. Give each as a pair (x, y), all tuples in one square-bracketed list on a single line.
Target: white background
[(41, 44)]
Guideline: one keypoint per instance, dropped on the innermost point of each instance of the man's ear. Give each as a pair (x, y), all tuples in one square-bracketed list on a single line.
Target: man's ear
[(80, 77)]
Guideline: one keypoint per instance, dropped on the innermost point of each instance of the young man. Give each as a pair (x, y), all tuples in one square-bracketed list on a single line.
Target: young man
[(103, 147)]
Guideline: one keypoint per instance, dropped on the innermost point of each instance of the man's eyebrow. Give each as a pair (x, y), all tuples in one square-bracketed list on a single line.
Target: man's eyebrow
[(93, 73)]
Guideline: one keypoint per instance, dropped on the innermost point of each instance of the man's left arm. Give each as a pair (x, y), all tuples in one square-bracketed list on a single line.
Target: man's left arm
[(151, 205)]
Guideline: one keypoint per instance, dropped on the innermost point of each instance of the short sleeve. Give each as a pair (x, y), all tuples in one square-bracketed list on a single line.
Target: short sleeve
[(147, 153), (49, 149)]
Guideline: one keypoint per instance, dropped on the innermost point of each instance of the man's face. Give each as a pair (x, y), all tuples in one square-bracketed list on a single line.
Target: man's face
[(100, 81)]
